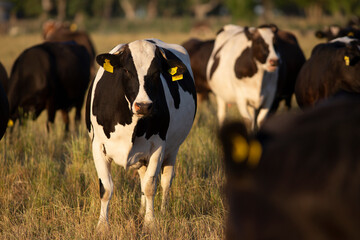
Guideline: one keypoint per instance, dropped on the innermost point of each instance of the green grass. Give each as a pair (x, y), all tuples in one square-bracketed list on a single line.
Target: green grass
[(48, 182)]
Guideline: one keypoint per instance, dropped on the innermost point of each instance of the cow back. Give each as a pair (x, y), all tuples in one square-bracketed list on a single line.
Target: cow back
[(327, 71)]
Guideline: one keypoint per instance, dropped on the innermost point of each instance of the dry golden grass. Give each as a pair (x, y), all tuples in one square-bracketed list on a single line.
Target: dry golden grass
[(49, 186)]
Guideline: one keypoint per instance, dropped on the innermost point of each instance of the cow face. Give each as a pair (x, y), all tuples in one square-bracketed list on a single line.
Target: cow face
[(139, 66), (263, 46)]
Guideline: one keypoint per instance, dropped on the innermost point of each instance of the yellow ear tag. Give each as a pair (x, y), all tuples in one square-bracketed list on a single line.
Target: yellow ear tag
[(107, 66), (240, 149), (347, 60), (350, 34), (255, 151), (177, 77), (10, 123), (173, 70)]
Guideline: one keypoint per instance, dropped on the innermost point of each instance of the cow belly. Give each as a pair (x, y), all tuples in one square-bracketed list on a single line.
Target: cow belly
[(181, 120), (223, 88)]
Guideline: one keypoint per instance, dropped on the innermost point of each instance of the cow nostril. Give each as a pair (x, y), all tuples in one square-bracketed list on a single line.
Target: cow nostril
[(274, 62), (142, 108)]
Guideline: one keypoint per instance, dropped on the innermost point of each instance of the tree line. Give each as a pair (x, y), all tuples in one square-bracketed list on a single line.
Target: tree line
[(149, 9)]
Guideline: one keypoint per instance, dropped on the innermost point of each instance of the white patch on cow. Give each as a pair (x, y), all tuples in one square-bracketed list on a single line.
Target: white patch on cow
[(344, 40), (268, 37), (334, 30), (143, 52), (250, 93)]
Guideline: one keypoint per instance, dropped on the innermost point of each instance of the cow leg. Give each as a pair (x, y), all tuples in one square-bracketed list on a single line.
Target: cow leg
[(66, 120), (78, 116), (263, 112), (149, 185), (221, 110), (247, 112), (167, 176), (141, 172), (102, 166), (51, 118)]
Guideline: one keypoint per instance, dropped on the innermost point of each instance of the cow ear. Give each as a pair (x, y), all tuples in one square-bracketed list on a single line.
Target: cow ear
[(352, 53), (319, 34), (108, 61), (273, 28), (248, 34), (241, 152), (173, 66)]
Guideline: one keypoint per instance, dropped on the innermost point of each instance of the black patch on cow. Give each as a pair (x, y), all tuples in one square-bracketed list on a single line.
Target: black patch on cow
[(102, 189), (158, 121), (260, 49), (216, 62), (186, 84), (151, 41), (245, 65), (110, 105)]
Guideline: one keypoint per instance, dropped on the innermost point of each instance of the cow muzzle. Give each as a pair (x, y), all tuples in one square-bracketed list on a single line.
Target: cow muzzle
[(143, 108), (273, 64)]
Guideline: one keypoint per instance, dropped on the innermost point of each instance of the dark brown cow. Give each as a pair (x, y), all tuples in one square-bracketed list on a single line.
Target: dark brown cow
[(4, 105), (199, 52), (305, 184), (332, 67), (52, 76), (61, 32)]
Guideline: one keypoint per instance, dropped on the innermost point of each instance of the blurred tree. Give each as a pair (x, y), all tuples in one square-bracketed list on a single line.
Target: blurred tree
[(201, 7), (241, 9), (61, 9)]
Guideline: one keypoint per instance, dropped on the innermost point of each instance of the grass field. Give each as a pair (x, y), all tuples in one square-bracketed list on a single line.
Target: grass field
[(49, 186)]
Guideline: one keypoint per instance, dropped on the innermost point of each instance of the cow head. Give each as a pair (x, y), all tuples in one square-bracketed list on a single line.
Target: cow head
[(263, 50), (139, 65), (329, 32)]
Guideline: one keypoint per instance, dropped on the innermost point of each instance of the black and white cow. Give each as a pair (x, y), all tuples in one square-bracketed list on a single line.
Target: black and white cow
[(4, 105), (139, 110), (332, 67), (52, 76), (243, 69)]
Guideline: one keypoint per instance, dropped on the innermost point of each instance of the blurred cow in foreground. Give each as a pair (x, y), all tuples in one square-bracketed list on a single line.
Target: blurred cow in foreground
[(4, 105), (332, 67), (52, 76), (290, 63), (299, 178)]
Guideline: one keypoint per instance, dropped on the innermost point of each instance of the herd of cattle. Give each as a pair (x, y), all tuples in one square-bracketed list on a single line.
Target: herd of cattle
[(287, 174)]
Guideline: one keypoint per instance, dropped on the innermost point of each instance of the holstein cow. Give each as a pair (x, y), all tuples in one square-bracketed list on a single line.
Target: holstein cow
[(139, 110), (243, 68), (332, 67), (291, 60), (299, 178), (51, 76), (4, 105)]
